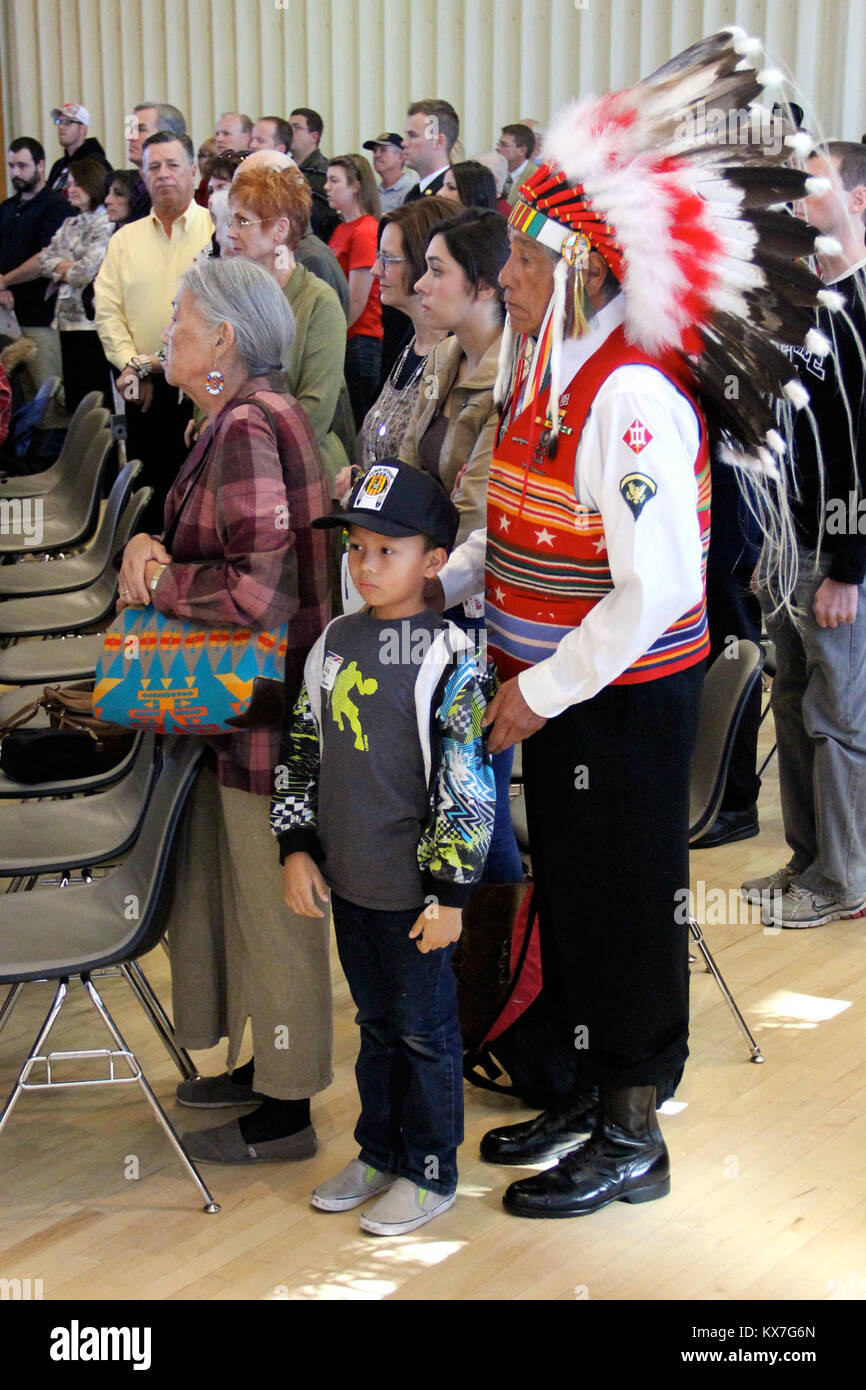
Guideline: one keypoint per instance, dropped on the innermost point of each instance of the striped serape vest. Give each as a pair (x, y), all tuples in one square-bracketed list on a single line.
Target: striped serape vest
[(536, 593)]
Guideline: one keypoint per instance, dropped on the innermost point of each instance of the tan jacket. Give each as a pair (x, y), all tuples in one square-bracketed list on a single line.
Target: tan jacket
[(472, 419)]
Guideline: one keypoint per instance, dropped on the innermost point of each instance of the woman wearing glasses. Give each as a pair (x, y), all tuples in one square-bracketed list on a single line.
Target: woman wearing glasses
[(269, 210), (351, 191)]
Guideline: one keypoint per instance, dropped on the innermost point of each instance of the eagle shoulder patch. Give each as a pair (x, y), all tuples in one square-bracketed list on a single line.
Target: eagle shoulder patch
[(637, 489)]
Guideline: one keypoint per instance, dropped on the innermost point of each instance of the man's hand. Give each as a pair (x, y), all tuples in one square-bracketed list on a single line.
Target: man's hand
[(835, 604), (62, 269), (443, 927), (141, 394), (511, 717), (190, 434), (302, 884), (7, 299), (132, 588)]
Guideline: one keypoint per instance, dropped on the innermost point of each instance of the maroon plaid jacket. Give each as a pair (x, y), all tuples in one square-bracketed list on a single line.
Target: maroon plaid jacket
[(244, 551)]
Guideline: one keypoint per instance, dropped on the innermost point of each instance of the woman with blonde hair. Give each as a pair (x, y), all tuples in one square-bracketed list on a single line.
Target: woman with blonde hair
[(352, 192)]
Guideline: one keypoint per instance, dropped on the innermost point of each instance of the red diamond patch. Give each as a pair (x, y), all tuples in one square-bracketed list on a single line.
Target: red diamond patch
[(637, 436)]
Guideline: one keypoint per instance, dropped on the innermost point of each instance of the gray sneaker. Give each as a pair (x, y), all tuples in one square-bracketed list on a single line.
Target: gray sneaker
[(404, 1208), (760, 890), (802, 907), (212, 1092), (354, 1184)]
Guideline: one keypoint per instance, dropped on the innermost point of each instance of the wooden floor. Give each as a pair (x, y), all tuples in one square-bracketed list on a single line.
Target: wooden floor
[(768, 1198)]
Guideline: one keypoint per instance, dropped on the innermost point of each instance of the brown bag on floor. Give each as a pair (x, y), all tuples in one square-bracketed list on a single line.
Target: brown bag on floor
[(76, 745)]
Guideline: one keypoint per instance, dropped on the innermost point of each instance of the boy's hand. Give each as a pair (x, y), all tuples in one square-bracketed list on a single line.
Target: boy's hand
[(302, 884), (439, 930)]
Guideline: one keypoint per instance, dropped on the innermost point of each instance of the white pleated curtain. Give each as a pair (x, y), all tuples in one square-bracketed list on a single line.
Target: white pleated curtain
[(359, 62)]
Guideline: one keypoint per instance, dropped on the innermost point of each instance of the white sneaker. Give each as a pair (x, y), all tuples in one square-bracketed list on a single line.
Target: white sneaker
[(404, 1208), (354, 1184), (763, 890)]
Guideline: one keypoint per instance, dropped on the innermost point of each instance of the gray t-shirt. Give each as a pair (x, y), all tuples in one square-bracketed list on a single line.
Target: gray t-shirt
[(372, 788)]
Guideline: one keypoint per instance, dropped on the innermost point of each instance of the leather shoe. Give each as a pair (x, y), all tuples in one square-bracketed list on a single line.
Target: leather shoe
[(728, 827), (550, 1134), (625, 1160)]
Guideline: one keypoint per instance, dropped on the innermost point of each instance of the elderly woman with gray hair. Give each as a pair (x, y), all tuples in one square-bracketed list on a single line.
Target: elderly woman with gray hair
[(243, 553)]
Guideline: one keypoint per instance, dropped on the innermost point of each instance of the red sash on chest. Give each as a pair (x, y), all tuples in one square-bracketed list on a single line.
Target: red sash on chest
[(547, 564)]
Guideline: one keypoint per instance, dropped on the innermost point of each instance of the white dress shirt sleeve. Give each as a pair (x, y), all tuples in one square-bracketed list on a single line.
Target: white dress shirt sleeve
[(654, 556), (463, 575)]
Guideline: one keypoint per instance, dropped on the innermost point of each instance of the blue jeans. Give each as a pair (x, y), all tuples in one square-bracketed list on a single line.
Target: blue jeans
[(363, 367), (410, 1066)]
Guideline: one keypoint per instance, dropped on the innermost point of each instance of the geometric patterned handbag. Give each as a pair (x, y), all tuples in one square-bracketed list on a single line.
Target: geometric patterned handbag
[(174, 676)]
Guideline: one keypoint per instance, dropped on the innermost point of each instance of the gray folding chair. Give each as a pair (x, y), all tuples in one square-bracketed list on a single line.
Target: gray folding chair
[(54, 659), (51, 935), (32, 578), (66, 515), (82, 608), (89, 418)]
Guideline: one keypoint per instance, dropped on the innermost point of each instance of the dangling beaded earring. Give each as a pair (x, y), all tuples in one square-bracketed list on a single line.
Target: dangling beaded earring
[(214, 382)]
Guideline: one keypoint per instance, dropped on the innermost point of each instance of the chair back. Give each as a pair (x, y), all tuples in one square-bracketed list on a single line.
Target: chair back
[(727, 687)]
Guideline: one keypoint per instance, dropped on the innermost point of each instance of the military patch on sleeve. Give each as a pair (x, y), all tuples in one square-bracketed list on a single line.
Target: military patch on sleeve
[(637, 489)]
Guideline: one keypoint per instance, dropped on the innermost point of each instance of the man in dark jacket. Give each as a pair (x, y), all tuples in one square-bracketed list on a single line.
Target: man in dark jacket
[(28, 221), (72, 122), (307, 127)]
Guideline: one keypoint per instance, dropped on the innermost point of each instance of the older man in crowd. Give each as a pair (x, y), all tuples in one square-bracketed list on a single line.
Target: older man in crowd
[(134, 291), (146, 119), (233, 131), (516, 144), (389, 161)]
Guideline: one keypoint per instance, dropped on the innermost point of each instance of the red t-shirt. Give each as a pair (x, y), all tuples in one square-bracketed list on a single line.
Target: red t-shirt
[(354, 245)]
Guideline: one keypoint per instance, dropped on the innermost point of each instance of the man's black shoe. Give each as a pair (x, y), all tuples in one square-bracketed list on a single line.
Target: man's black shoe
[(728, 827), (625, 1160), (549, 1135)]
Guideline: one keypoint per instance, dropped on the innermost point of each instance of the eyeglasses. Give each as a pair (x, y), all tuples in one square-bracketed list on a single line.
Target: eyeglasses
[(385, 261), (66, 120), (243, 222)]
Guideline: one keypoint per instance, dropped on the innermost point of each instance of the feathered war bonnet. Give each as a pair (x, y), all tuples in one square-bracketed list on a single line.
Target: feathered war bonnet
[(680, 182)]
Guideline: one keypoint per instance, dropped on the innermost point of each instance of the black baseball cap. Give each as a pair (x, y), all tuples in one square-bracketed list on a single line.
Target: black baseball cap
[(396, 500), (388, 137)]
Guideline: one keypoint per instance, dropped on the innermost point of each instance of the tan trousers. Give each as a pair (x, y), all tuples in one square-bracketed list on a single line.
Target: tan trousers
[(237, 952)]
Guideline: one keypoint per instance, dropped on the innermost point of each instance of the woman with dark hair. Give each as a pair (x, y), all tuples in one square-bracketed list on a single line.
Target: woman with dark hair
[(470, 185), (351, 190), (451, 435), (400, 263), (71, 259), (453, 426), (120, 196)]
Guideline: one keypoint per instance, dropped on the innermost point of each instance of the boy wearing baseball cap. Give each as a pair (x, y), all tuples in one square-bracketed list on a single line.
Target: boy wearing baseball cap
[(385, 796)]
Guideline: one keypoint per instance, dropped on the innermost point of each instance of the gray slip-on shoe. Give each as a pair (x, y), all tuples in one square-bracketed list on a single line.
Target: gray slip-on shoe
[(211, 1092), (354, 1184), (403, 1208), (226, 1144)]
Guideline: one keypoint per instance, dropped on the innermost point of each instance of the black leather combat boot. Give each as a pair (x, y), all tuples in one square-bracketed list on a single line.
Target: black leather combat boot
[(551, 1134)]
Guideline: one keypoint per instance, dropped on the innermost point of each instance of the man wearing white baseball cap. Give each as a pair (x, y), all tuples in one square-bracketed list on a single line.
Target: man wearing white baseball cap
[(72, 122)]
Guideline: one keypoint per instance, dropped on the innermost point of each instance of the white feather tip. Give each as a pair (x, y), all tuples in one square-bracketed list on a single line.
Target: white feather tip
[(796, 393), (744, 43), (828, 246), (815, 186), (767, 464), (776, 443), (770, 77), (831, 299), (816, 342), (800, 142)]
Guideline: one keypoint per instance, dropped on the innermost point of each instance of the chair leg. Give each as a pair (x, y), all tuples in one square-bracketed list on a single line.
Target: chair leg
[(170, 1131), (698, 938), (9, 1004), (50, 1020), (150, 1002)]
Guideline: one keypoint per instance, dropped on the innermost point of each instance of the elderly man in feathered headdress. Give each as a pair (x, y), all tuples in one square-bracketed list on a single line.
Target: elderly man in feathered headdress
[(650, 269)]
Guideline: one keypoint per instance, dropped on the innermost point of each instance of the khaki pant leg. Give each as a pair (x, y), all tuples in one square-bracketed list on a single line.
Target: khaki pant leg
[(279, 969)]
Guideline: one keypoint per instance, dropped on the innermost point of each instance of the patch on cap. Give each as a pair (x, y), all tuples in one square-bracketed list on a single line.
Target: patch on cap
[(375, 488)]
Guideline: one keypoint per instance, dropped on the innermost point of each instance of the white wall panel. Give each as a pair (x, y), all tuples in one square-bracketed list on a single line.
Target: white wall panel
[(359, 62)]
